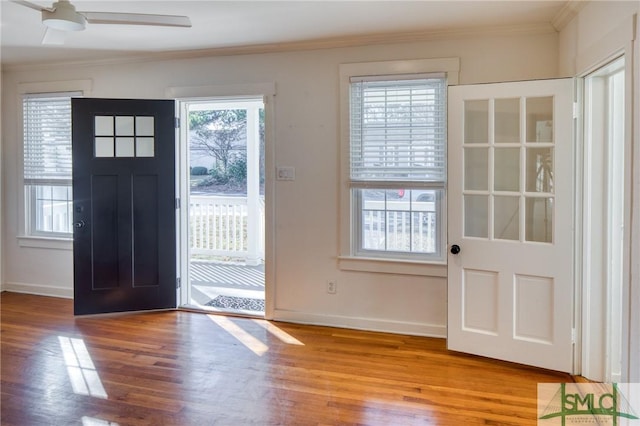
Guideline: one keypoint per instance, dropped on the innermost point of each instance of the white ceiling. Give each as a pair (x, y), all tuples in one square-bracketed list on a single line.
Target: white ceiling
[(226, 24)]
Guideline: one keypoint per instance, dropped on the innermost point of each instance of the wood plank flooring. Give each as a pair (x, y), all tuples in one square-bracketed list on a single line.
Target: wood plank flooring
[(183, 368)]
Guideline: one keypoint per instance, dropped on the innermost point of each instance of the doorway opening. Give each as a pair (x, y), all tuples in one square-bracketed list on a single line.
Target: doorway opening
[(604, 207), (225, 213)]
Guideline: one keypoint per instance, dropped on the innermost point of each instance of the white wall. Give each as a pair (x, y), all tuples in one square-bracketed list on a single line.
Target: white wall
[(587, 39), (306, 137)]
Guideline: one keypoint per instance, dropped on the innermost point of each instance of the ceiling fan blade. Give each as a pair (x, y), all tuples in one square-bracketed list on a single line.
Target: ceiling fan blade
[(136, 19), (32, 5), (53, 36)]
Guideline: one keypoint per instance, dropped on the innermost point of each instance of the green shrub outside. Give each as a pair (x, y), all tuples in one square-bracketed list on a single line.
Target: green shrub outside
[(198, 171), (237, 171)]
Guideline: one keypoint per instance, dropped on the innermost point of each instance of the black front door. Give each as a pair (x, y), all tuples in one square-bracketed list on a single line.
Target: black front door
[(124, 240)]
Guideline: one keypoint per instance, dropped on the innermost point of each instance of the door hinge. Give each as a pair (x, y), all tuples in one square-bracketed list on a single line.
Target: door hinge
[(575, 110), (177, 203), (178, 282), (573, 335), (176, 122)]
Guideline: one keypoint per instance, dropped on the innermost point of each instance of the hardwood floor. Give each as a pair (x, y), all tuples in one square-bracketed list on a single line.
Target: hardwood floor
[(182, 368)]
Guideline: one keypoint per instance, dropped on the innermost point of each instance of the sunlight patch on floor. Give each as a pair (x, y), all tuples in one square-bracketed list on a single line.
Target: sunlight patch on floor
[(92, 421), (253, 344), (82, 373), (279, 333)]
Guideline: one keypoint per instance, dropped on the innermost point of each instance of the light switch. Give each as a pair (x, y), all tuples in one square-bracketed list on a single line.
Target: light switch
[(285, 173)]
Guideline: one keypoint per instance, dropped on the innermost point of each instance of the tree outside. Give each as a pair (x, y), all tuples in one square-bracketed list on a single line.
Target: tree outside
[(218, 138)]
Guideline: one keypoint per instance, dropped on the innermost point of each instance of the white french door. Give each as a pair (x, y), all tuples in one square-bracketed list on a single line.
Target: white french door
[(511, 186)]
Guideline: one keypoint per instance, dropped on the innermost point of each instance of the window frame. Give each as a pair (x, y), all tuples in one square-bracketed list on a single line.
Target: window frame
[(28, 236), (351, 256), (358, 226), (31, 209)]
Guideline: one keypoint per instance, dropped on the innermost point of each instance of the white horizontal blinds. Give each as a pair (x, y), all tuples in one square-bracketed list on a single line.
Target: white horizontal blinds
[(47, 138), (398, 130)]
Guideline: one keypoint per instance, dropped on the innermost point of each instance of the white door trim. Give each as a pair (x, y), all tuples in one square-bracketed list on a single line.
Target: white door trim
[(267, 92), (622, 41)]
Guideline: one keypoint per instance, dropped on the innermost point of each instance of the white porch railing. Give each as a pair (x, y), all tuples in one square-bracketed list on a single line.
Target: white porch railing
[(218, 226), (54, 217), (399, 231)]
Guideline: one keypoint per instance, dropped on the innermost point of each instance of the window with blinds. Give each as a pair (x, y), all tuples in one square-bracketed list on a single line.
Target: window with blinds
[(47, 163), (398, 130), (397, 164)]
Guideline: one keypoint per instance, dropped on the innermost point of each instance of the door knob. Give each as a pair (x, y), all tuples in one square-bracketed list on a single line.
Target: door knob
[(455, 249), (79, 224)]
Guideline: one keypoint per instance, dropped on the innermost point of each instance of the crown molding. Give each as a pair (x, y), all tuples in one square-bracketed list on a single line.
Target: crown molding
[(327, 43), (569, 11)]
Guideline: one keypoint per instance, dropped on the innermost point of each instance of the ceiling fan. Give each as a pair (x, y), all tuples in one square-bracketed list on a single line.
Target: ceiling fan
[(62, 16)]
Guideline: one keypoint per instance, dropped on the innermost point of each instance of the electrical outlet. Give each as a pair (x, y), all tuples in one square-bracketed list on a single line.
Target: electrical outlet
[(332, 286)]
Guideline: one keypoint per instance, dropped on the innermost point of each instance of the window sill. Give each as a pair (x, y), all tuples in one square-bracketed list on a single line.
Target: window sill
[(46, 242), (388, 266)]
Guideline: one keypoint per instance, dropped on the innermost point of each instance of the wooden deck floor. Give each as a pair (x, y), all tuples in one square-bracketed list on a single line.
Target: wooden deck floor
[(182, 368), (210, 280)]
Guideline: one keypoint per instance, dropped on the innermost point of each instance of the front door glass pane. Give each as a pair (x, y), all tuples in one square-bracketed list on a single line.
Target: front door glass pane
[(124, 147), (144, 126), (124, 126), (103, 147), (144, 147), (103, 125)]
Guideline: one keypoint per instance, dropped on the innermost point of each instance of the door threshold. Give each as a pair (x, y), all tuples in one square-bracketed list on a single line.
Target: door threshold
[(217, 311)]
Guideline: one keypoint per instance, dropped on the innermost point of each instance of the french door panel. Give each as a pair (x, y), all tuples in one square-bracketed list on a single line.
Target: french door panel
[(510, 157)]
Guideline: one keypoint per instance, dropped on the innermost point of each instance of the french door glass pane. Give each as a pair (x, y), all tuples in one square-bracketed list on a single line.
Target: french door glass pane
[(476, 169), (540, 119), (507, 169), (476, 215), (540, 170), (507, 120), (506, 218), (539, 219), (476, 121), (529, 159)]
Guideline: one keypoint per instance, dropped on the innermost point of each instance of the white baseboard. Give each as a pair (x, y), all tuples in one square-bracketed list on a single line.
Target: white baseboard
[(39, 289), (368, 324)]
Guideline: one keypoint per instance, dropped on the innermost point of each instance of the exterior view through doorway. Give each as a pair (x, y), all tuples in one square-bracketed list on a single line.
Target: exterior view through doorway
[(225, 214)]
